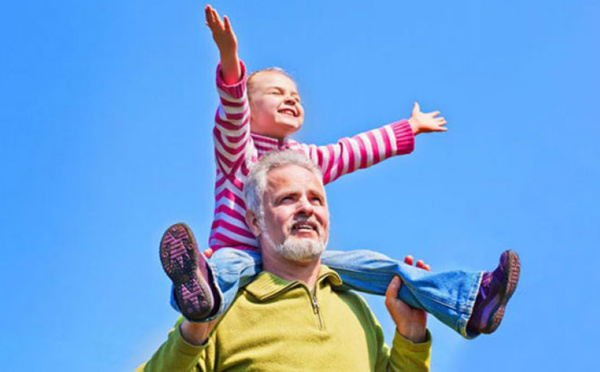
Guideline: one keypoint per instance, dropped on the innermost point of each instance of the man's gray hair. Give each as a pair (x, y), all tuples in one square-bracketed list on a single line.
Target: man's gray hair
[(256, 183)]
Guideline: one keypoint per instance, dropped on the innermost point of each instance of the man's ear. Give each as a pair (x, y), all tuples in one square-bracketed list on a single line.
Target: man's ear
[(252, 222)]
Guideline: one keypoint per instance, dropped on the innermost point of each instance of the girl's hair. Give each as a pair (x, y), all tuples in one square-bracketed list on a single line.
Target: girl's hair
[(278, 70)]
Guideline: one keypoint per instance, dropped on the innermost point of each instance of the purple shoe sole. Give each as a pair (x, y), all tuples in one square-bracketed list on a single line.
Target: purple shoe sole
[(188, 271), (511, 278)]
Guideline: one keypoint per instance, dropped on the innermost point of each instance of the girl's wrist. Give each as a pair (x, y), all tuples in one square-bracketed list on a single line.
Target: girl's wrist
[(229, 56), (231, 71), (414, 125)]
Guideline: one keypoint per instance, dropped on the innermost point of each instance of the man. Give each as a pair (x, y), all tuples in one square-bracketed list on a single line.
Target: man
[(291, 317)]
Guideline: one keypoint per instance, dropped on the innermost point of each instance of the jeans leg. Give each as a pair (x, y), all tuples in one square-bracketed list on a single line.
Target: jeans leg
[(449, 296), (233, 269)]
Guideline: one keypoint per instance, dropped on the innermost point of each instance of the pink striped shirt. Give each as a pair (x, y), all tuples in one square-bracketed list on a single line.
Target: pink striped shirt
[(236, 148)]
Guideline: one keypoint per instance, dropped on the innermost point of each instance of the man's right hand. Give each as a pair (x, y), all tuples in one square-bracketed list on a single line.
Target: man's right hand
[(411, 323), (227, 43), (197, 333)]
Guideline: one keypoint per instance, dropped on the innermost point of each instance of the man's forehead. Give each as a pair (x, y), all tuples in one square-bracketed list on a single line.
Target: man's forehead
[(293, 176)]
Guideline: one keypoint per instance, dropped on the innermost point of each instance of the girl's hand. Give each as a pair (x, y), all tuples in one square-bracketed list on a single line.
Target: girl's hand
[(231, 72), (424, 122), (222, 32)]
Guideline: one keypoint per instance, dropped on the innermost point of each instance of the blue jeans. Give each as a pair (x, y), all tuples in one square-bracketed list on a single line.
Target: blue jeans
[(449, 296)]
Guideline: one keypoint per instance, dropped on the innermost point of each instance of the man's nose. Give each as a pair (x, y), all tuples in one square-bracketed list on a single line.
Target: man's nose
[(305, 206), (289, 100)]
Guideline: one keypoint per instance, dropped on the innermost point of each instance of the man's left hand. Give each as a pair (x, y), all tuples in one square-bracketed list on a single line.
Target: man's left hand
[(411, 323)]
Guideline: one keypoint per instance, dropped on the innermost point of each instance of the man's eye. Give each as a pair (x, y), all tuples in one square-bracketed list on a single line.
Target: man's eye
[(317, 201)]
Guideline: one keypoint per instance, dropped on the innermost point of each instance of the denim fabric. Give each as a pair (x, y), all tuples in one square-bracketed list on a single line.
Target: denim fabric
[(449, 296)]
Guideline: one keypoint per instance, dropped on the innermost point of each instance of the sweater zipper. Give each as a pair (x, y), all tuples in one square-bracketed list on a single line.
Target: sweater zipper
[(317, 310)]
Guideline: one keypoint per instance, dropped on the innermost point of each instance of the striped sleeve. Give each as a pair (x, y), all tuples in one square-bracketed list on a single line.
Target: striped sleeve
[(232, 124), (362, 150)]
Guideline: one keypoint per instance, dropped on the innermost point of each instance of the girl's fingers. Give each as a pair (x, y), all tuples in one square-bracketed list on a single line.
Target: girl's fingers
[(212, 16), (218, 19), (208, 16), (227, 24), (214, 21), (416, 108)]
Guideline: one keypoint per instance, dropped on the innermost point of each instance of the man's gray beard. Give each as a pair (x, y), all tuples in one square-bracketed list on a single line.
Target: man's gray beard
[(297, 250)]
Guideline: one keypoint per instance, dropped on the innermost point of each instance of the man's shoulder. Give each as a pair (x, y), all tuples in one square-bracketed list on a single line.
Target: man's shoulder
[(354, 298)]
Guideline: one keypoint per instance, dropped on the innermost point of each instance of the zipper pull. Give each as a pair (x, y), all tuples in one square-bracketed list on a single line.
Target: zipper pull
[(315, 304)]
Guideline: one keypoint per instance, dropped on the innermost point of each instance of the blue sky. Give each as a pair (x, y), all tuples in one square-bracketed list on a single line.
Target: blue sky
[(106, 108)]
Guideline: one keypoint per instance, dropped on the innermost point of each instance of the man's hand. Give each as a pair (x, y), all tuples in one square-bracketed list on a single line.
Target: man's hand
[(197, 333), (411, 323), (227, 44), (424, 122)]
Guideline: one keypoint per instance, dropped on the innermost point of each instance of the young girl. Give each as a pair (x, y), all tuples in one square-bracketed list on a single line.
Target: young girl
[(256, 116)]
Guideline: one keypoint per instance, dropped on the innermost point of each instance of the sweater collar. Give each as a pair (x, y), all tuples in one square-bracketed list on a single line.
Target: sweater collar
[(268, 285), (266, 144)]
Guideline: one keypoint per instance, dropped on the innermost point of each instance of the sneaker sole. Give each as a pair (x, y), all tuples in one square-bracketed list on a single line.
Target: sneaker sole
[(511, 281), (188, 271)]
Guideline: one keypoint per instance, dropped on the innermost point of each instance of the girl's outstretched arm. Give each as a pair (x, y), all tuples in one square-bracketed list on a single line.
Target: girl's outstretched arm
[(227, 43), (362, 150), (369, 148)]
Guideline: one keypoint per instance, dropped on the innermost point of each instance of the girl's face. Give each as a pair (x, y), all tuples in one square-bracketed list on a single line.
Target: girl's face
[(275, 107)]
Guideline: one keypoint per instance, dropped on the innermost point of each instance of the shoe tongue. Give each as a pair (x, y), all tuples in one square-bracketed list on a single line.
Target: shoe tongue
[(484, 288), (487, 278), (499, 273)]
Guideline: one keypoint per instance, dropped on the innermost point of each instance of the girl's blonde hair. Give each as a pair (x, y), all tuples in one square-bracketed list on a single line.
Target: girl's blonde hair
[(278, 70)]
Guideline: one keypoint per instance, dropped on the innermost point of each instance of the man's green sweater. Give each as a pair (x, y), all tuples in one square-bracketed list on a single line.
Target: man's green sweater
[(276, 325)]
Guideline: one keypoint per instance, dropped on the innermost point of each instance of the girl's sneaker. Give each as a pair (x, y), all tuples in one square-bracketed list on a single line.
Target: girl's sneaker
[(192, 279), (494, 292)]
